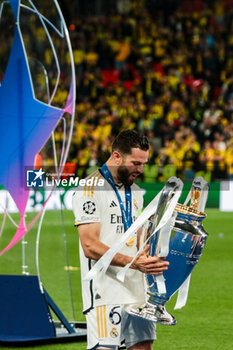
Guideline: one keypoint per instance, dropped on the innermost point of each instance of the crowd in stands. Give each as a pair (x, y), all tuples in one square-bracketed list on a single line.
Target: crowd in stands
[(168, 74)]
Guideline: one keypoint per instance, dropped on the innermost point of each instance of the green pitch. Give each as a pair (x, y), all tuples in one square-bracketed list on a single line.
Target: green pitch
[(205, 323)]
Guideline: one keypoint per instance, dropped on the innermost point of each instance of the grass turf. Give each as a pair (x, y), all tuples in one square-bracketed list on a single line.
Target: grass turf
[(204, 323)]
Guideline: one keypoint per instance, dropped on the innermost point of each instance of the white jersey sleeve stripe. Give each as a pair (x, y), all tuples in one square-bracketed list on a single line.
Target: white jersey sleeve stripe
[(101, 322), (84, 191), (92, 192), (98, 321), (101, 318), (91, 188), (105, 322), (87, 187)]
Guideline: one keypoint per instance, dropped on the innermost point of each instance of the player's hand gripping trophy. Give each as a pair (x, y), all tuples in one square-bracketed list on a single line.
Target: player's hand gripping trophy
[(187, 240)]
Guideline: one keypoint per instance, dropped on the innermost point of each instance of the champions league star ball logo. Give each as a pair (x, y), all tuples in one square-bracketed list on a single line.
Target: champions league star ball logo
[(89, 207), (32, 106)]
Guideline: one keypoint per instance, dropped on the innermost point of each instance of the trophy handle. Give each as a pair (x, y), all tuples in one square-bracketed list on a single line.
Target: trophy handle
[(154, 238), (199, 193)]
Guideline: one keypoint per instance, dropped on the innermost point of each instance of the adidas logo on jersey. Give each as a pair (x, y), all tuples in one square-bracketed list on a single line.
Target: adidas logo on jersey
[(113, 204)]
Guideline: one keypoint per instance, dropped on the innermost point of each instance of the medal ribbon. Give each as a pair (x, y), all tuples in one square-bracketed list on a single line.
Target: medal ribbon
[(126, 212)]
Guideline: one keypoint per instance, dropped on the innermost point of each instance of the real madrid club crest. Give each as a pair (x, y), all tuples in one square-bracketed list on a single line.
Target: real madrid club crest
[(114, 333)]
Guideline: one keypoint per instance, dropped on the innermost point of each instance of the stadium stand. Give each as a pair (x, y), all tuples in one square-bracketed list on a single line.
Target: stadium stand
[(164, 70)]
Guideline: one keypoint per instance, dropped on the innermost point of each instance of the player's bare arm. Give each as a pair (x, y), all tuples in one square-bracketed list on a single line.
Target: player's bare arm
[(94, 249)]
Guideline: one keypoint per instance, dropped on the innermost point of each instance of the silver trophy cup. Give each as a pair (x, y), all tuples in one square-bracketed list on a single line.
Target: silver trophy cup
[(187, 240)]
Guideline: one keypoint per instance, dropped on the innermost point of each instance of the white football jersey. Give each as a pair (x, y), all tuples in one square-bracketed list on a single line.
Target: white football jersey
[(95, 203)]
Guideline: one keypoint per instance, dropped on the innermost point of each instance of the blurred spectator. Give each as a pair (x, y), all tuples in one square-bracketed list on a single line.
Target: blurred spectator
[(229, 160), (163, 68)]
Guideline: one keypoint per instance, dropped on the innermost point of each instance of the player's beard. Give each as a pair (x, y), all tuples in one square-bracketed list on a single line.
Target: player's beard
[(123, 175)]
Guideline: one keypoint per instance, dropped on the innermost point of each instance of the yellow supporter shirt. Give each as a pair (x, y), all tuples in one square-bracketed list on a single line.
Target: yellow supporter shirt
[(80, 133), (102, 132), (171, 116), (229, 160), (158, 110), (92, 58), (79, 56), (208, 156), (124, 52)]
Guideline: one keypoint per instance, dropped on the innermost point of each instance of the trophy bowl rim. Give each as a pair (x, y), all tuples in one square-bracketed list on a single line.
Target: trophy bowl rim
[(181, 208)]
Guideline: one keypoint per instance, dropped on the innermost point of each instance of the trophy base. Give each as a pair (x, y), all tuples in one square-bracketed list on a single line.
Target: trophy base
[(154, 313)]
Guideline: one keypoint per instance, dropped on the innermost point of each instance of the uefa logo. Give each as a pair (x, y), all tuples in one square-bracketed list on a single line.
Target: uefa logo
[(35, 178)]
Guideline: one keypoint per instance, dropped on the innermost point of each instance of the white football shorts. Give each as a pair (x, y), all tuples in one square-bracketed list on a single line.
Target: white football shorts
[(111, 326)]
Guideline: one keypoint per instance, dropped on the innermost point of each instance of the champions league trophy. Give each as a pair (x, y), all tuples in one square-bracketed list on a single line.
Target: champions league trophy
[(187, 240)]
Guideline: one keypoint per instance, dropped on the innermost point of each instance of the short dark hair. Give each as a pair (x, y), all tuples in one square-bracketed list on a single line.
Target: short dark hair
[(128, 139)]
